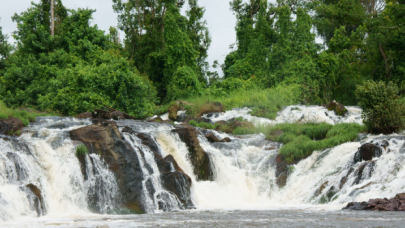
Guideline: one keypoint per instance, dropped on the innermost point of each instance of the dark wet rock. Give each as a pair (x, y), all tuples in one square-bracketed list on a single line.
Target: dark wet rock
[(199, 158), (211, 138), (226, 139), (10, 126), (117, 115), (321, 188), (361, 136), (205, 120), (210, 107), (339, 109), (100, 113), (367, 152), (345, 178), (394, 204), (85, 115), (213, 115), (173, 109), (282, 180), (36, 199), (177, 182), (172, 175), (359, 172), (281, 171), (384, 144), (182, 116), (19, 166), (106, 140)]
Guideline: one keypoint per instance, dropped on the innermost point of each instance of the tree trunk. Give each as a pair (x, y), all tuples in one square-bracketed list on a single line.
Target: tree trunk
[(52, 18)]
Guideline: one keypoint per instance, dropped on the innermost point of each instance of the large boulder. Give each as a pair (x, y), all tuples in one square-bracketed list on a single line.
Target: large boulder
[(105, 139), (394, 204), (199, 158), (36, 199), (10, 126), (173, 177), (367, 152)]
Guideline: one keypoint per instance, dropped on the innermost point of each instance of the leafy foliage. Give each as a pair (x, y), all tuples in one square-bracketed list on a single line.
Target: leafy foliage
[(75, 71), (382, 107), (24, 114)]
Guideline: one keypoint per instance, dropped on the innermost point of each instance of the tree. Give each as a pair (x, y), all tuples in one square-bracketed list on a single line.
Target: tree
[(145, 26), (5, 48), (77, 70), (382, 107)]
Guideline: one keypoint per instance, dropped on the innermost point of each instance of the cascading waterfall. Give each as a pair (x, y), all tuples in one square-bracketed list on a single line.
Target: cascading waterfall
[(154, 196), (41, 175)]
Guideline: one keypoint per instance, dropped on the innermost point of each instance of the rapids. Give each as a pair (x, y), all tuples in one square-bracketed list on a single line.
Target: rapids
[(40, 174)]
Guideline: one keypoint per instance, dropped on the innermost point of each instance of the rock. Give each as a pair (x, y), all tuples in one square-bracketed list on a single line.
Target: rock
[(345, 178), (226, 139), (199, 158), (10, 126), (173, 177), (103, 114), (367, 152), (321, 188), (339, 109), (117, 115), (173, 109), (37, 201), (181, 116), (211, 138), (85, 115), (394, 204), (331, 106), (281, 171), (282, 180), (105, 139), (210, 107)]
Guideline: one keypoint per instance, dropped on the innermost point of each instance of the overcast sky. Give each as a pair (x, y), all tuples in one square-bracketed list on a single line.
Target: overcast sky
[(221, 21)]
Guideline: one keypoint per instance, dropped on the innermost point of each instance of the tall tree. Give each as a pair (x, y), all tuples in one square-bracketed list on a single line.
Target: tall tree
[(144, 23)]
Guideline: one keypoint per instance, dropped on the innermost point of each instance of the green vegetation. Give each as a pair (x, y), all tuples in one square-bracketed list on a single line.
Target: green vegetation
[(81, 150), (202, 125), (383, 109), (25, 115), (302, 139)]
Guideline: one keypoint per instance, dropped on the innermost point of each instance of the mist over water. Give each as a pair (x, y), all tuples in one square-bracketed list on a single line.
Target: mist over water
[(244, 191)]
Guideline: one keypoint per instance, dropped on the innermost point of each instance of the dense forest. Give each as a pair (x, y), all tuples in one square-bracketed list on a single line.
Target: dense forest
[(164, 55)]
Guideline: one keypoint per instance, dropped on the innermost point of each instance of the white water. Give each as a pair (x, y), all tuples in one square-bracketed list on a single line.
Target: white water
[(46, 159), (244, 170), (293, 114)]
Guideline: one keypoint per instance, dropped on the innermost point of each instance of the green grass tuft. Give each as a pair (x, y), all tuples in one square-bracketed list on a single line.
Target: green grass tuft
[(81, 150), (25, 115), (302, 139)]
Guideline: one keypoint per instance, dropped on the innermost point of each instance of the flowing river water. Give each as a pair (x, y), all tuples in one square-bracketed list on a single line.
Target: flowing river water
[(243, 193)]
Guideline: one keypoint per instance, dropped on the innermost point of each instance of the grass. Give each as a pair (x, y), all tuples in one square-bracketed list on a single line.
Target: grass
[(300, 140), (25, 115), (81, 150), (263, 102), (202, 124)]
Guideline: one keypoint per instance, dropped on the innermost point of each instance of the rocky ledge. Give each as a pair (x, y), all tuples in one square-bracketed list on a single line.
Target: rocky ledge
[(394, 204)]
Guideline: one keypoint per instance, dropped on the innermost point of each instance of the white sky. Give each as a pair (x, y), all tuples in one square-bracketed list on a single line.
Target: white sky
[(221, 21)]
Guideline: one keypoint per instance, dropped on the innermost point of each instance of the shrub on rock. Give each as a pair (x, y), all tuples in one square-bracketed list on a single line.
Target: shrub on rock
[(382, 107)]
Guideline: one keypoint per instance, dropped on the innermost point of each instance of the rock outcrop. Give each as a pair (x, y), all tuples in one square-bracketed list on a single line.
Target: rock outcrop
[(10, 126), (199, 158), (394, 204), (367, 152), (105, 139), (339, 109)]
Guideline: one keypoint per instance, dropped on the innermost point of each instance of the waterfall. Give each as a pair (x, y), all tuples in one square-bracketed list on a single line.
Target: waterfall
[(40, 174)]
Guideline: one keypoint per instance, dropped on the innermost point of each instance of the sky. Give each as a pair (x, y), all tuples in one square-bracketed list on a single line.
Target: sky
[(220, 20)]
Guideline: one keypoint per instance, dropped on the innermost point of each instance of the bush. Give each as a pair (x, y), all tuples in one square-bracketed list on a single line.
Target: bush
[(382, 107), (302, 139), (25, 115)]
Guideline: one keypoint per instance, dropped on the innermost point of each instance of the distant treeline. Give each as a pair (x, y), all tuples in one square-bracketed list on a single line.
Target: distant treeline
[(164, 54)]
